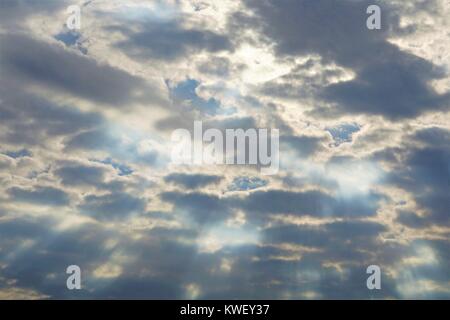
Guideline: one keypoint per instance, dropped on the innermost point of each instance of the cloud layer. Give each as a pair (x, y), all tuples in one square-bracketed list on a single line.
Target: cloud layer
[(86, 178)]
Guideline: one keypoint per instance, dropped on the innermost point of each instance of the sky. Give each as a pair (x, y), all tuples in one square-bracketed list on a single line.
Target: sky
[(86, 177)]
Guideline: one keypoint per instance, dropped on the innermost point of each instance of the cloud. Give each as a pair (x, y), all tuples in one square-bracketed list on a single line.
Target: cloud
[(388, 81), (405, 95), (112, 206), (304, 146), (81, 175), (192, 181), (202, 207), (31, 120), (27, 59), (148, 40), (412, 220), (85, 176), (329, 237), (40, 195), (425, 173), (13, 13), (96, 139), (310, 203)]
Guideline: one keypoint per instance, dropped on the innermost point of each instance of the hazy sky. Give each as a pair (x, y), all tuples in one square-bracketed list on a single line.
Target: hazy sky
[(86, 178)]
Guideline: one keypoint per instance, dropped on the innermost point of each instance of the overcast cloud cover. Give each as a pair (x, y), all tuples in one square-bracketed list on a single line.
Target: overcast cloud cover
[(85, 173)]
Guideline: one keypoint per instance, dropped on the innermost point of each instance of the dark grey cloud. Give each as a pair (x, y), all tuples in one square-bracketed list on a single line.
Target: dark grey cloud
[(192, 181), (395, 89), (176, 264), (305, 146), (161, 256), (73, 175), (40, 195), (29, 60), (412, 220), (13, 13), (333, 239), (203, 208), (310, 203), (96, 139), (186, 121), (22, 228), (433, 136), (302, 81), (389, 82), (42, 266), (207, 208), (167, 40), (425, 173), (351, 243), (112, 205), (308, 236), (31, 120), (245, 123)]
